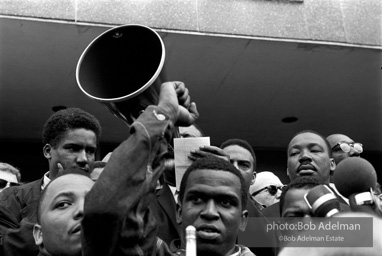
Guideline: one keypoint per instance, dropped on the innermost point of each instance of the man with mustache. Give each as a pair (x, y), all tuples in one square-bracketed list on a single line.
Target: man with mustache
[(70, 138), (309, 154)]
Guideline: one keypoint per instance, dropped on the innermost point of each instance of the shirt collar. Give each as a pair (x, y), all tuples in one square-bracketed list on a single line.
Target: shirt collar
[(45, 181)]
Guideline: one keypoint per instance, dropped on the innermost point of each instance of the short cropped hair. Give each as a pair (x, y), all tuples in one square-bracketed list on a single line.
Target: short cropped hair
[(213, 163), (314, 132), (241, 143), (298, 183), (68, 119), (11, 169)]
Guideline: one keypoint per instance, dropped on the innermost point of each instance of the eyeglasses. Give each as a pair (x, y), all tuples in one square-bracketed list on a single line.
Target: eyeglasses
[(5, 183), (272, 189), (346, 147)]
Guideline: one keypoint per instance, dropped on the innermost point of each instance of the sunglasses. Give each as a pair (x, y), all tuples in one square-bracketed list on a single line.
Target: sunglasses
[(5, 183), (272, 189), (346, 147)]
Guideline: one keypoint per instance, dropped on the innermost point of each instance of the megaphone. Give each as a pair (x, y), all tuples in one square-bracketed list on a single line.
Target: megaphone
[(122, 69)]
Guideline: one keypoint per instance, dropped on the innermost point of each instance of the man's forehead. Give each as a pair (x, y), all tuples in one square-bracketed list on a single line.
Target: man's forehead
[(335, 138), (68, 183), (8, 176), (238, 151), (78, 133), (206, 177), (294, 199), (307, 138)]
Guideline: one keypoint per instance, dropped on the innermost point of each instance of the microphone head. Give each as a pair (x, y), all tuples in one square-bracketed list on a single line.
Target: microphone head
[(322, 201), (354, 175)]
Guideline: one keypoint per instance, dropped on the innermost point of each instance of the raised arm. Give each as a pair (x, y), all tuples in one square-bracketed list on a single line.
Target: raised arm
[(116, 220)]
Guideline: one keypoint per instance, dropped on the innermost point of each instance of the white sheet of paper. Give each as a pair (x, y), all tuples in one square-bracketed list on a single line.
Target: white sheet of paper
[(182, 148)]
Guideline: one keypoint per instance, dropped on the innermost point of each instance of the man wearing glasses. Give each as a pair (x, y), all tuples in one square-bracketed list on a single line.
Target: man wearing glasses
[(9, 176), (344, 147), (267, 189)]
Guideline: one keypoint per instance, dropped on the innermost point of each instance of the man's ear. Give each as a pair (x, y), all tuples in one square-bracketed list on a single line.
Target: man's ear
[(287, 172), (178, 213), (243, 220), (253, 178), (37, 234), (47, 151), (332, 165)]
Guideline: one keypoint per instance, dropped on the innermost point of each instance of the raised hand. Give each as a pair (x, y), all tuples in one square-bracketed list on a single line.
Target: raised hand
[(174, 98), (208, 151)]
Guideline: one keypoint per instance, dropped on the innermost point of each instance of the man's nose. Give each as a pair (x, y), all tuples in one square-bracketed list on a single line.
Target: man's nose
[(82, 156), (278, 194), (305, 155), (79, 210), (210, 211), (354, 153)]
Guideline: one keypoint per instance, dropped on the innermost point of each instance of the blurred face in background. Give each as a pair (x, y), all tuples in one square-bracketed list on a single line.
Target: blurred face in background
[(242, 159), (7, 179), (343, 147)]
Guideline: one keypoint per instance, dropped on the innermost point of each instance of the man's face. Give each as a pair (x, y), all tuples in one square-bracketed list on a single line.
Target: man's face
[(337, 152), (242, 159), (75, 151), (61, 215), (295, 205), (268, 197), (308, 155), (212, 204), (6, 177)]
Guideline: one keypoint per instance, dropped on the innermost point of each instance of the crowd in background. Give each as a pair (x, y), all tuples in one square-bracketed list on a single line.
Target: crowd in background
[(128, 202)]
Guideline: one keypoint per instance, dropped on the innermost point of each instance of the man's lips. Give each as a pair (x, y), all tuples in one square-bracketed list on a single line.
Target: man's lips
[(306, 170), (85, 169), (207, 232), (76, 229)]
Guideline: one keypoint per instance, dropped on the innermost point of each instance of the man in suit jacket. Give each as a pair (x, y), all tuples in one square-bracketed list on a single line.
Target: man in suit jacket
[(70, 139)]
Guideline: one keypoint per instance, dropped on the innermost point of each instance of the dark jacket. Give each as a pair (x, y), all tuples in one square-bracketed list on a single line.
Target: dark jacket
[(18, 214), (260, 241), (117, 218), (164, 211)]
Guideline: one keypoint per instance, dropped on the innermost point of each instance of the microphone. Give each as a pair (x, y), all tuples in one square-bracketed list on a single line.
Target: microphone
[(190, 241), (322, 201), (355, 178)]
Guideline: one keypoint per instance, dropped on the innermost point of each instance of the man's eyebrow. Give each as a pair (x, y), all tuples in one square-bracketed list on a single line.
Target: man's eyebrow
[(311, 144), (65, 194), (228, 194)]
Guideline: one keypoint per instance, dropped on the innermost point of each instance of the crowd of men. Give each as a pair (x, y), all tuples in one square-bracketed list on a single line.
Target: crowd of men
[(128, 204)]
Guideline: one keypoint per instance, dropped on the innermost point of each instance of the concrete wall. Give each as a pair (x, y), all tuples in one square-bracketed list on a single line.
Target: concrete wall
[(343, 21)]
